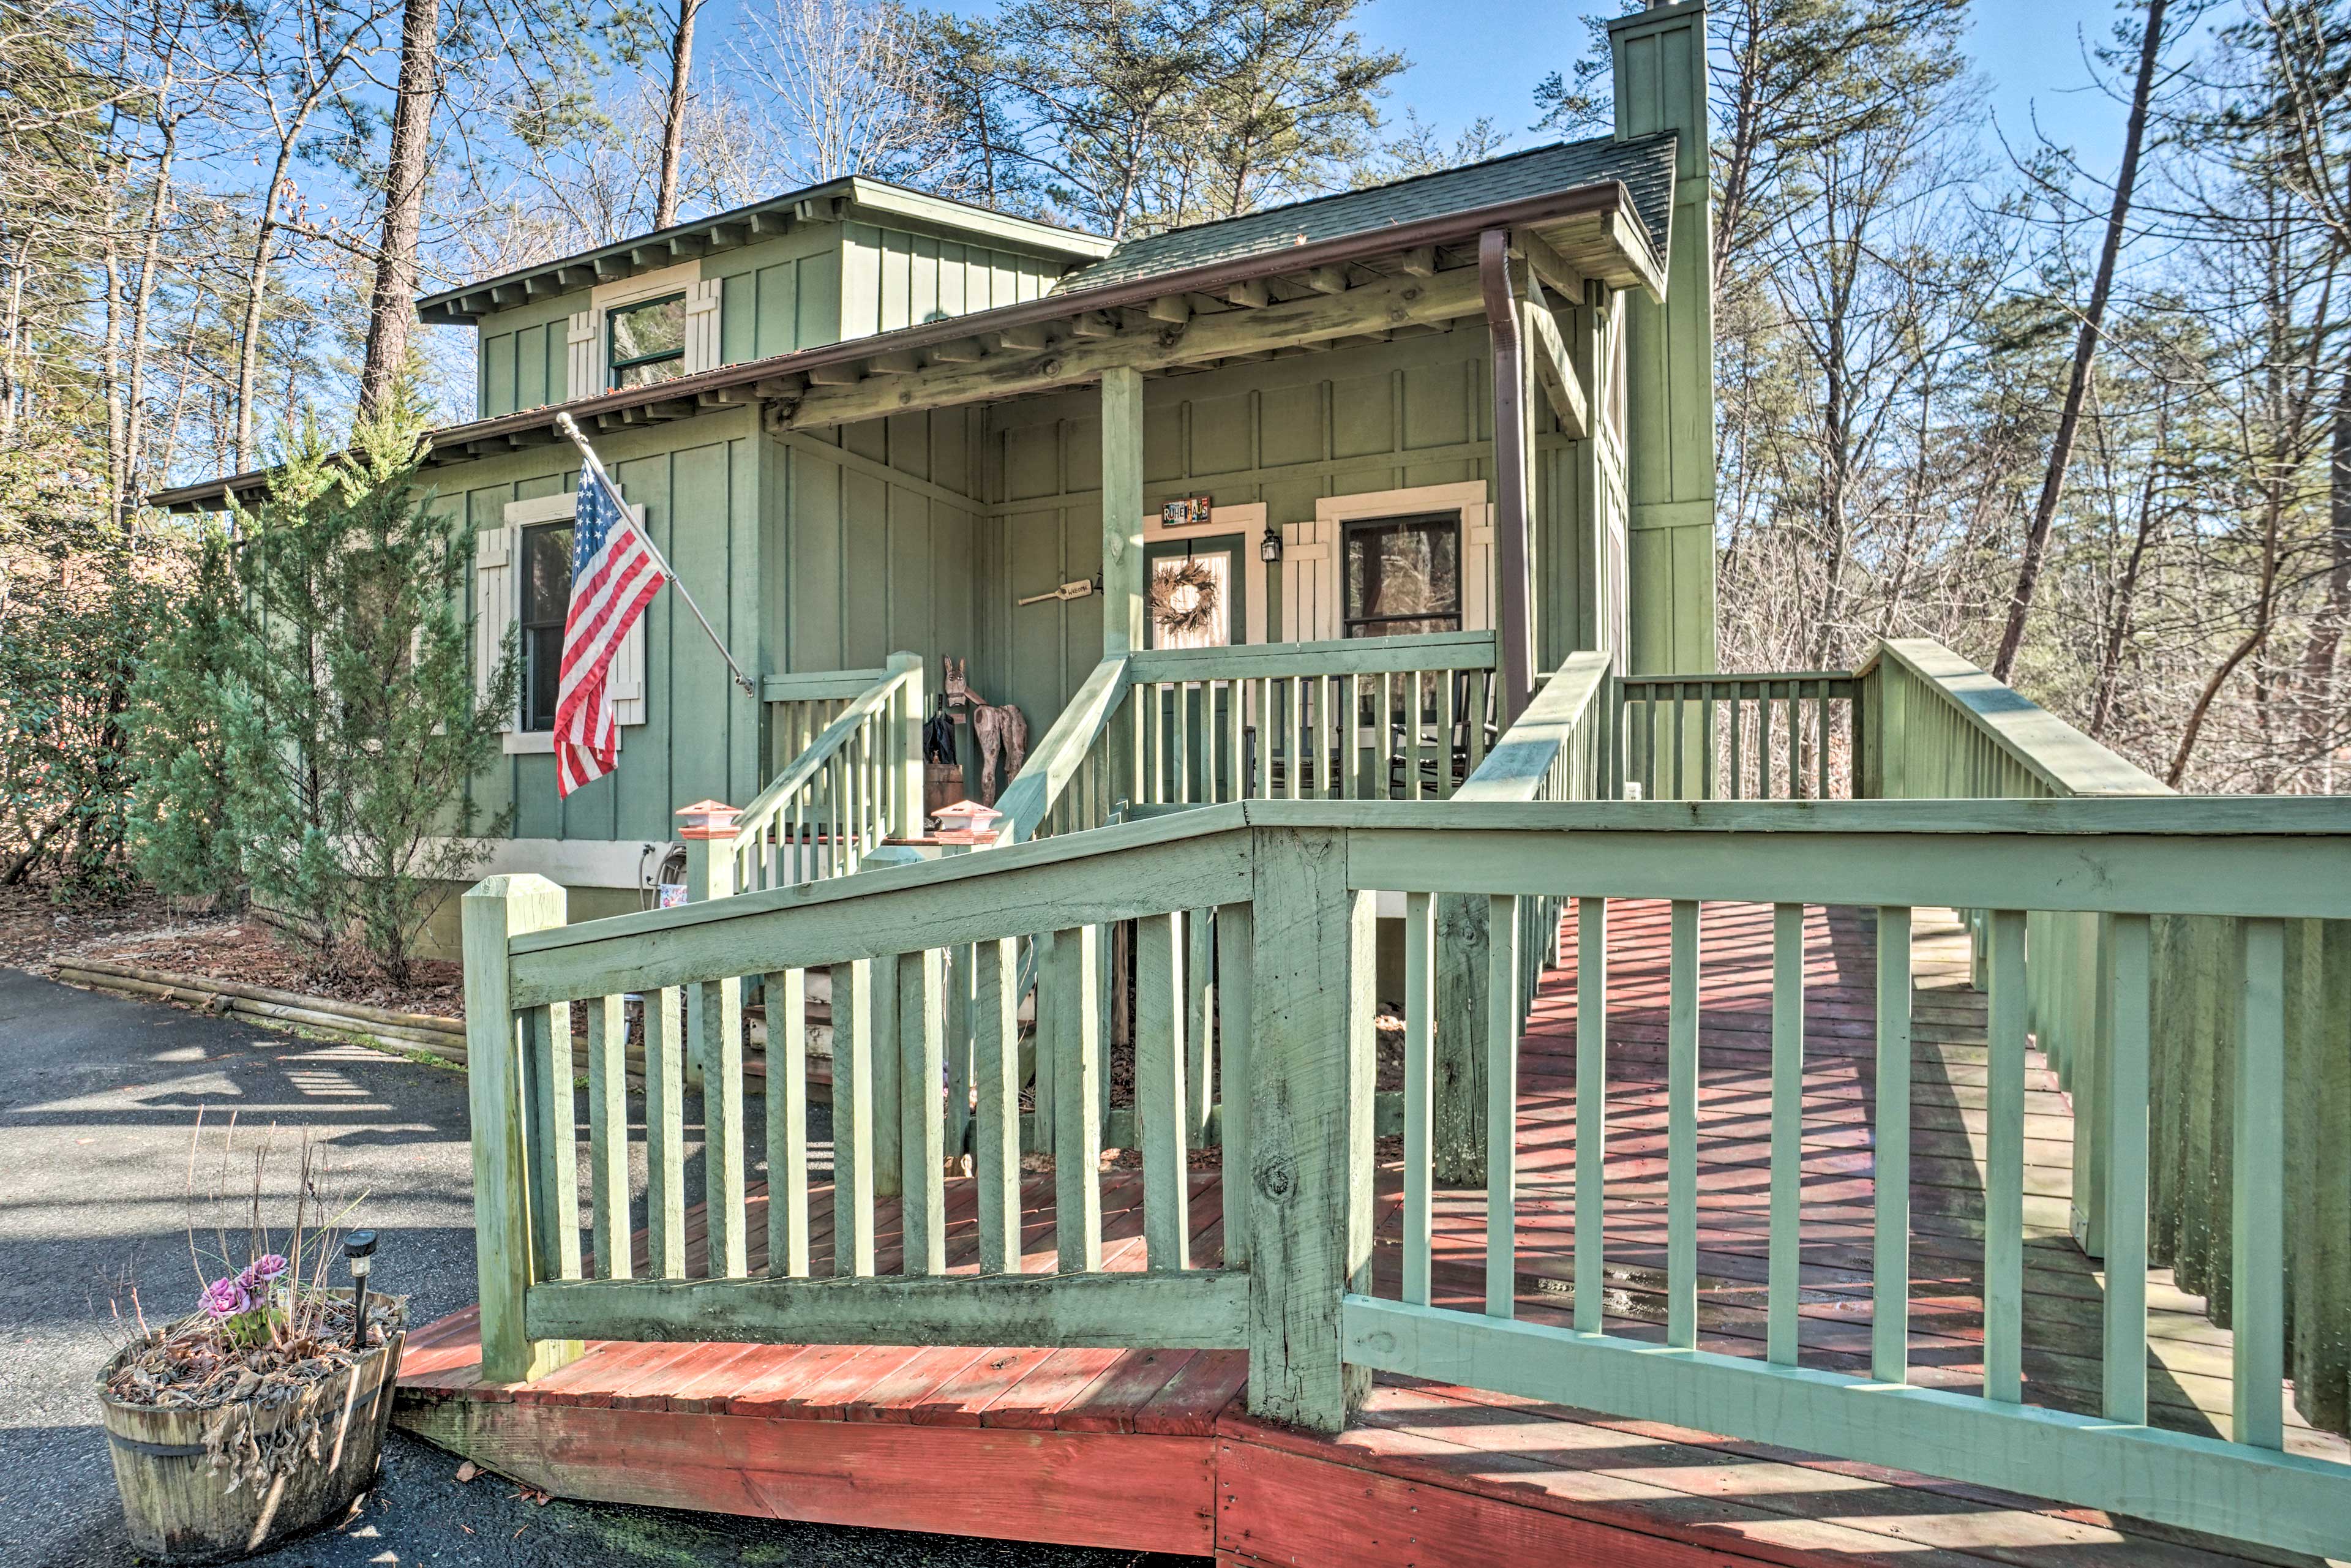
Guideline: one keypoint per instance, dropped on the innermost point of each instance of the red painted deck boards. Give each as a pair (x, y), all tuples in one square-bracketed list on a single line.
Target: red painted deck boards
[(1153, 1450)]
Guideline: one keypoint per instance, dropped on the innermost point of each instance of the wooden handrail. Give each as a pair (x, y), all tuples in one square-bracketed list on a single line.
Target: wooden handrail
[(1341, 656), (1522, 760), (2064, 760), (899, 680), (1050, 767)]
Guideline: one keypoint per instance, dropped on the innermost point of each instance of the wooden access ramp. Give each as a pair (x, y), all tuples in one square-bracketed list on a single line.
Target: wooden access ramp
[(1153, 1450)]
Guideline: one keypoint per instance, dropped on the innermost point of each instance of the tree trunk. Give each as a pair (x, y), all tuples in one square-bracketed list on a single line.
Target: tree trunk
[(2318, 703), (2085, 350), (389, 308), (681, 72), (2125, 595)]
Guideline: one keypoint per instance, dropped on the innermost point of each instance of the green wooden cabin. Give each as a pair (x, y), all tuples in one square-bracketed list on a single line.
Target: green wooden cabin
[(1423, 476), (864, 421)]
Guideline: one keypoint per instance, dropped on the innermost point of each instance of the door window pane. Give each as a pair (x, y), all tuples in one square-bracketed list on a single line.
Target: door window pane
[(1403, 575)]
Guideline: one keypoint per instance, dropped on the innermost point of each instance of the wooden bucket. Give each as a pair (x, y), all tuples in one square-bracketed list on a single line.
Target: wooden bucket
[(177, 1505)]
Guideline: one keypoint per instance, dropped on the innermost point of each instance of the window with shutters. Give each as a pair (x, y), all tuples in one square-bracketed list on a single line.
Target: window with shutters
[(645, 342), (522, 588)]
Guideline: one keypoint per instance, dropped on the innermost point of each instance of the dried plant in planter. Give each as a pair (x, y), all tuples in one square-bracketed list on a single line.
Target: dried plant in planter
[(277, 1383)]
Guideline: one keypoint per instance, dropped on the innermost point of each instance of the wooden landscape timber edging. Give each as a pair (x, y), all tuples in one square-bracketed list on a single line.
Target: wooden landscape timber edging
[(419, 1031)]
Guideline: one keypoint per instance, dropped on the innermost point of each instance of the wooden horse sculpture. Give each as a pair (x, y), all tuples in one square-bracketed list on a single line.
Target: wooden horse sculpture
[(1002, 732)]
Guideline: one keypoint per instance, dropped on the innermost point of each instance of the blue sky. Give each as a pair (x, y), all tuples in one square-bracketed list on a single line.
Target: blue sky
[(1472, 57)]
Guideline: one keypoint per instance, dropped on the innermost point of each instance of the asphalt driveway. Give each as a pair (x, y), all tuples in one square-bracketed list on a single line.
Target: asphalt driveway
[(98, 1097)]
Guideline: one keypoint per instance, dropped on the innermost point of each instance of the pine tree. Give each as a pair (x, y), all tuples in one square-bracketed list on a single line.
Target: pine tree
[(340, 687)]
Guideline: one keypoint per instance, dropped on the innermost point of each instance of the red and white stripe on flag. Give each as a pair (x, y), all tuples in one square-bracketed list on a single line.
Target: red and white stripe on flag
[(613, 577)]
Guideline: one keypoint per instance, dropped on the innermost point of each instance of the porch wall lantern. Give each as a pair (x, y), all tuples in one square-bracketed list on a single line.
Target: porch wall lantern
[(1269, 547)]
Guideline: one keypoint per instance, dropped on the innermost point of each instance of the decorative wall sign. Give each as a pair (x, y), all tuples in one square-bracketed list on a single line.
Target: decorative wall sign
[(1185, 513)]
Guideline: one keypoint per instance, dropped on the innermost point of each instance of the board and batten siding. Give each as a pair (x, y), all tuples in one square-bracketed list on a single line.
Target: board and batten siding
[(872, 530), (892, 278), (701, 735), (1286, 433)]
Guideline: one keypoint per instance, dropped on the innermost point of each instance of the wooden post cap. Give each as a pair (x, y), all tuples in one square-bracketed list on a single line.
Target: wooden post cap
[(708, 819)]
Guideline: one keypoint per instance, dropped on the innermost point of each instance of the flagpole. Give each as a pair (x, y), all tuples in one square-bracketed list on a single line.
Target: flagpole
[(587, 454)]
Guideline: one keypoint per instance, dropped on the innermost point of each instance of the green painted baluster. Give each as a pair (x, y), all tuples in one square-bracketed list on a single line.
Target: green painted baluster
[(959, 1056), (1890, 1286), (1786, 1266), (995, 1064), (852, 1118), (1159, 1085), (1706, 741), (548, 1078), (2004, 1162), (921, 1043), (608, 1133), (720, 1050), (882, 1079), (1501, 1106), (2257, 1239), (1737, 729), (788, 1205), (1199, 1023), (1068, 1020), (1448, 729), (1420, 1090), (1681, 1129), (1794, 723), (1763, 740), (2126, 1090), (1591, 1108), (1681, 730), (1236, 1007), (1044, 1060), (665, 1133), (1414, 715)]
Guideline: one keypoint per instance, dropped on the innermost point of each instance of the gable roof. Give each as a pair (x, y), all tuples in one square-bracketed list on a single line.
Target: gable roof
[(1643, 164), (828, 202), (1606, 204)]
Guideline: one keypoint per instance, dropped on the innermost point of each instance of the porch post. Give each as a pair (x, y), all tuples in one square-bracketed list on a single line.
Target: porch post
[(714, 1033), (1309, 1126), (516, 1224), (1122, 474), (1515, 486), (709, 874)]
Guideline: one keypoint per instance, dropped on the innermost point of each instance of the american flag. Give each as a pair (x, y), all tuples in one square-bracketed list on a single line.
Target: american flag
[(615, 573)]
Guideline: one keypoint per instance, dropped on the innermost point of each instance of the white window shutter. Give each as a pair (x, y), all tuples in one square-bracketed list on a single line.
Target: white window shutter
[(1477, 568), (586, 378), (702, 348), (1309, 581), (494, 608), (627, 676)]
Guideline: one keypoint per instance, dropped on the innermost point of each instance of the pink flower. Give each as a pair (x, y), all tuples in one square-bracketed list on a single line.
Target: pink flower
[(224, 1299), (262, 1270)]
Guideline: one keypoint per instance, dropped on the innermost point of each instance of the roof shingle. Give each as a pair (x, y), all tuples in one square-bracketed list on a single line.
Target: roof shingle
[(1644, 164)]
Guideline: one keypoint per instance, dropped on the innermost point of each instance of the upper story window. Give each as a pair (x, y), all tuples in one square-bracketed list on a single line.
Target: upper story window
[(1403, 575), (645, 343), (545, 599)]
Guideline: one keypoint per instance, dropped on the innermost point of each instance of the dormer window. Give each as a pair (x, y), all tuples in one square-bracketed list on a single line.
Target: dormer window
[(645, 342)]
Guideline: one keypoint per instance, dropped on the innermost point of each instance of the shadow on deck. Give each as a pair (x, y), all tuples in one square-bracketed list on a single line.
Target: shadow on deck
[(1153, 1450)]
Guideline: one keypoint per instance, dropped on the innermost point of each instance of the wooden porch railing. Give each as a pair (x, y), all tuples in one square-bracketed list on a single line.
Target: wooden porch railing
[(1294, 884), (852, 776), (1791, 735), (2157, 1133), (1404, 718)]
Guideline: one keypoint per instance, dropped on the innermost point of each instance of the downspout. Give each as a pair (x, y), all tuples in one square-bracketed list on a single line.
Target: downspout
[(1514, 471)]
